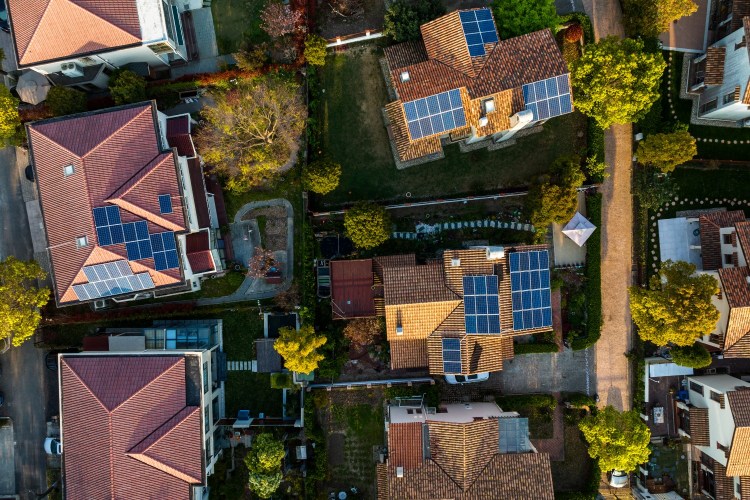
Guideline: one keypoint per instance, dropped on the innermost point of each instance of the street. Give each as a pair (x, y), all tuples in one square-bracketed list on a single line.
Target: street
[(25, 379)]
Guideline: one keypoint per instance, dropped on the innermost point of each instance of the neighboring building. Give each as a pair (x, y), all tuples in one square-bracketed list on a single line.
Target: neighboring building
[(78, 42), (716, 418), (461, 83), (457, 315), (719, 73), (138, 424), (125, 215), (471, 451), (355, 289)]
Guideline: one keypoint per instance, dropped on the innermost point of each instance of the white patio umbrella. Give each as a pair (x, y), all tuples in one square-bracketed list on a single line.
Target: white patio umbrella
[(579, 229), (32, 87)]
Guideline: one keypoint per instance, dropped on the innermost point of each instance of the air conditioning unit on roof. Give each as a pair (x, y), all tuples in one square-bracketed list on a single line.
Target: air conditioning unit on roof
[(71, 69)]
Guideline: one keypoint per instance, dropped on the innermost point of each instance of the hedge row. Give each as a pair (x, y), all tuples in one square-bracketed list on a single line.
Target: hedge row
[(511, 403), (593, 277), (534, 348)]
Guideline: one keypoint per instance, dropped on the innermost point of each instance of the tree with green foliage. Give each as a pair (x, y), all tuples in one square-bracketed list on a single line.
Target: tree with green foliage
[(264, 464), (649, 18), (367, 225), (667, 151), (619, 440), (10, 122), (676, 307), (595, 169), (322, 176), (518, 17), (615, 81), (66, 101), (404, 17), (694, 356), (20, 300), (127, 87), (652, 189), (315, 49), (299, 348), (252, 131), (554, 197)]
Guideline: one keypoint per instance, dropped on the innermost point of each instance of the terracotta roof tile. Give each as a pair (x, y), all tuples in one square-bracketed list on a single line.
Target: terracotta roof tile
[(405, 54), (739, 403), (743, 236), (715, 65), (408, 353), (383, 261), (738, 463), (416, 284), (710, 224), (108, 170), (117, 408), (444, 41), (405, 147), (699, 434), (735, 286), (42, 28), (515, 476), (352, 294), (405, 445), (178, 136)]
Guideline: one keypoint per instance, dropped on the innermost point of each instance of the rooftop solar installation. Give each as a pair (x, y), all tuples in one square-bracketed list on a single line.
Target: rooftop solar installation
[(481, 304), (164, 251), (530, 289), (165, 204), (108, 225), (548, 98), (435, 114), (514, 435), (451, 356), (112, 278), (479, 29)]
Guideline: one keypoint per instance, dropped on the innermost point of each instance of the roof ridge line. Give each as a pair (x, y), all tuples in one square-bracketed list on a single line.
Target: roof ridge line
[(149, 383), (88, 388), (31, 38), (119, 129), (137, 177), (176, 424)]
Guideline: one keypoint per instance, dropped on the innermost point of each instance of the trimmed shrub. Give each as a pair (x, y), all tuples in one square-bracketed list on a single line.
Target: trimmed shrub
[(694, 356)]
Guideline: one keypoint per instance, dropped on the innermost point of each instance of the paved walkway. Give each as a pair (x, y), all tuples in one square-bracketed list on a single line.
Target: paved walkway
[(254, 288), (612, 367), (554, 446), (567, 371), (242, 366)]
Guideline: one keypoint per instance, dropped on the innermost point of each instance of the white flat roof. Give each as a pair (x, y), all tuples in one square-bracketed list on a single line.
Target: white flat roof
[(676, 236)]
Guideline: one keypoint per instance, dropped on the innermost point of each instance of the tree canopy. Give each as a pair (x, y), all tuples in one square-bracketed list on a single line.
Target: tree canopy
[(363, 331), (279, 19), (403, 18), (367, 225), (315, 49), (252, 131), (20, 299), (518, 17), (676, 307), (667, 151), (10, 122), (322, 176), (127, 87), (264, 464), (66, 101), (694, 356), (300, 348), (615, 81), (553, 198), (619, 440), (652, 189), (651, 17)]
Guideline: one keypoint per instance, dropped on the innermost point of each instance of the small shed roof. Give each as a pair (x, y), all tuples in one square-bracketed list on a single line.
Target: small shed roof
[(579, 229), (269, 360), (352, 294)]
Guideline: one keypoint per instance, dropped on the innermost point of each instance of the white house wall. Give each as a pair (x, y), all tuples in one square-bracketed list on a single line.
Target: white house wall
[(736, 73)]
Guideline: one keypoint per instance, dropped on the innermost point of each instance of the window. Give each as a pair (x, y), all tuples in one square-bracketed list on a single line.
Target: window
[(206, 419), (727, 239), (208, 450), (696, 387), (205, 377), (728, 258), (740, 45), (215, 408), (709, 106), (82, 241), (69, 170), (728, 98), (165, 203), (488, 105)]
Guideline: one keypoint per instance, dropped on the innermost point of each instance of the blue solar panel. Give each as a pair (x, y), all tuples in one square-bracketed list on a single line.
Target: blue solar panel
[(481, 305), (112, 278), (173, 262), (434, 114), (479, 29), (113, 215), (165, 251), (451, 355), (165, 204), (548, 98), (530, 289), (129, 232)]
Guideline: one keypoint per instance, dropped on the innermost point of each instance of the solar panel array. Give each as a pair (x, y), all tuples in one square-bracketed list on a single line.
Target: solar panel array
[(451, 356), (548, 98), (479, 28), (165, 204), (530, 289), (139, 243), (514, 435), (112, 278), (435, 114), (481, 304)]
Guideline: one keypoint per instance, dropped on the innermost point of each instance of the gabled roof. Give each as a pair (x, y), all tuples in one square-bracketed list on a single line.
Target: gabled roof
[(117, 160), (715, 65), (126, 428), (738, 463), (46, 30), (352, 293), (710, 225)]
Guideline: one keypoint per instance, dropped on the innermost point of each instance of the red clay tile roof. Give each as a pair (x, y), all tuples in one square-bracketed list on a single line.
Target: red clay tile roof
[(715, 65), (46, 30), (178, 135), (198, 251), (737, 291), (710, 225), (352, 294), (118, 160), (416, 284), (126, 428), (405, 445), (743, 237), (405, 54), (200, 197)]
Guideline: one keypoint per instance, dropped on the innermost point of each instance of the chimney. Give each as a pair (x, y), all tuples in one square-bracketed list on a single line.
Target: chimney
[(399, 330), (455, 262)]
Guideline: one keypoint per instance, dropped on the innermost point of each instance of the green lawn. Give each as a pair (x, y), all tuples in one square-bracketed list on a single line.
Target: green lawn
[(252, 391), (538, 408), (726, 182), (237, 21), (354, 135)]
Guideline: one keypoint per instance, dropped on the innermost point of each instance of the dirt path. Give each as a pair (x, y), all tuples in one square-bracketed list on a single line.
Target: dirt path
[(612, 367)]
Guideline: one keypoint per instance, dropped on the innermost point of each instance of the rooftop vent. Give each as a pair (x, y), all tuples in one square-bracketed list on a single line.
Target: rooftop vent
[(455, 262), (747, 278), (71, 70), (489, 105), (404, 76), (399, 330), (399, 472), (483, 121), (68, 170)]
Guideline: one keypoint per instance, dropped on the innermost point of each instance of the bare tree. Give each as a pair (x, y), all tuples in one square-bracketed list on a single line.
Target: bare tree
[(261, 261), (279, 20), (363, 331), (288, 299)]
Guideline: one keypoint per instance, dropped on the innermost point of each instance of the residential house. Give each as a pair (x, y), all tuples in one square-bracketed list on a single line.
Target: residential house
[(714, 39), (460, 83), (471, 451), (138, 424), (79, 42), (458, 314), (716, 418), (126, 216)]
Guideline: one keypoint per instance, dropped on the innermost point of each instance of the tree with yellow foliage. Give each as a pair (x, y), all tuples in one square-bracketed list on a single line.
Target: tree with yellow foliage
[(20, 300), (300, 348)]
